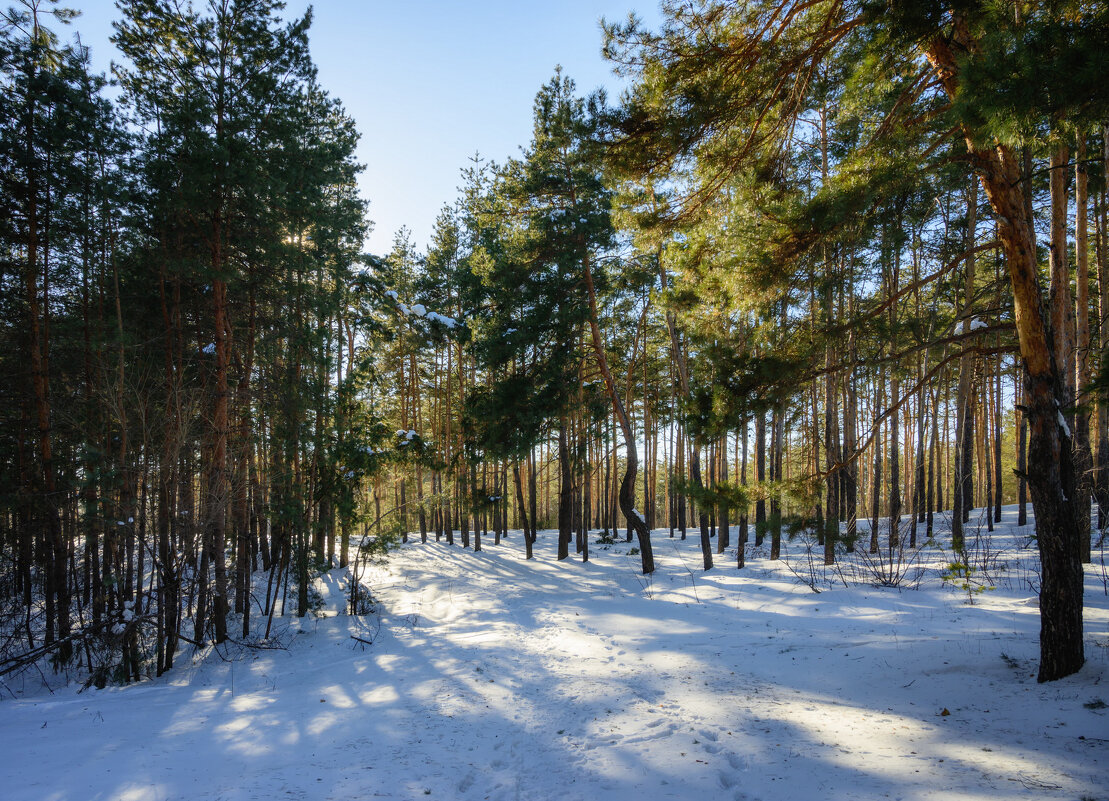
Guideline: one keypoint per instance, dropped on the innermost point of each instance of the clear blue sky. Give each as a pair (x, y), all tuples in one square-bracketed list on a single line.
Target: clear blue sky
[(431, 82)]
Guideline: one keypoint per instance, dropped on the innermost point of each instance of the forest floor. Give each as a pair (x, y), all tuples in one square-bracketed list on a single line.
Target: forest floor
[(492, 677)]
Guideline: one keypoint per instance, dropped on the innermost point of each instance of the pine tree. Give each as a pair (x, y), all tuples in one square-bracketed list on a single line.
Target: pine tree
[(721, 94)]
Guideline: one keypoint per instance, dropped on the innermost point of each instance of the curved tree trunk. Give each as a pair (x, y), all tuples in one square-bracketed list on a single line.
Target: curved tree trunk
[(627, 484)]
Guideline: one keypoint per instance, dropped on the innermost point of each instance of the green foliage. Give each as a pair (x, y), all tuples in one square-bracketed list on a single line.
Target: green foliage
[(964, 576), (533, 221), (774, 220), (386, 536)]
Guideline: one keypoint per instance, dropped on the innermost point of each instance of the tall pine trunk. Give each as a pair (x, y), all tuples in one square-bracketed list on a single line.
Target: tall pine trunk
[(627, 484), (1052, 484), (1083, 457)]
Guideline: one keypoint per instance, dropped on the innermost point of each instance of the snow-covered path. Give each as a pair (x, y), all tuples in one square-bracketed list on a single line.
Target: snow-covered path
[(491, 677)]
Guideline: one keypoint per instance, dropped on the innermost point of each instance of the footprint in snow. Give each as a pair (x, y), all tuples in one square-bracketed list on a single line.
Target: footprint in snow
[(466, 783), (654, 732)]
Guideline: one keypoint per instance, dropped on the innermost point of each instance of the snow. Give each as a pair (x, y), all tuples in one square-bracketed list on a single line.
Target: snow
[(973, 325), (493, 677), (449, 322), (1063, 424), (210, 348), (419, 310)]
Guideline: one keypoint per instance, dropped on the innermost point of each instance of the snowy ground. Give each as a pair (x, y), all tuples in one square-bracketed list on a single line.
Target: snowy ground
[(491, 677)]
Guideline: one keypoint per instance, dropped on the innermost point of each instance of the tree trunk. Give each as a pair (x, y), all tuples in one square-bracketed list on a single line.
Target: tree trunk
[(1052, 484), (217, 485), (850, 447), (627, 485), (1083, 458), (741, 545), (1101, 473), (963, 493), (895, 424), (777, 436), (522, 509), (565, 495), (760, 477), (682, 366), (876, 476)]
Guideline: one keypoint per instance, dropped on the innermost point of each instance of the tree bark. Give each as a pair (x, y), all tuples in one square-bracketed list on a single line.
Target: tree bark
[(760, 477), (681, 364), (963, 493), (565, 495), (1052, 484), (627, 485), (1083, 456), (1101, 473)]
